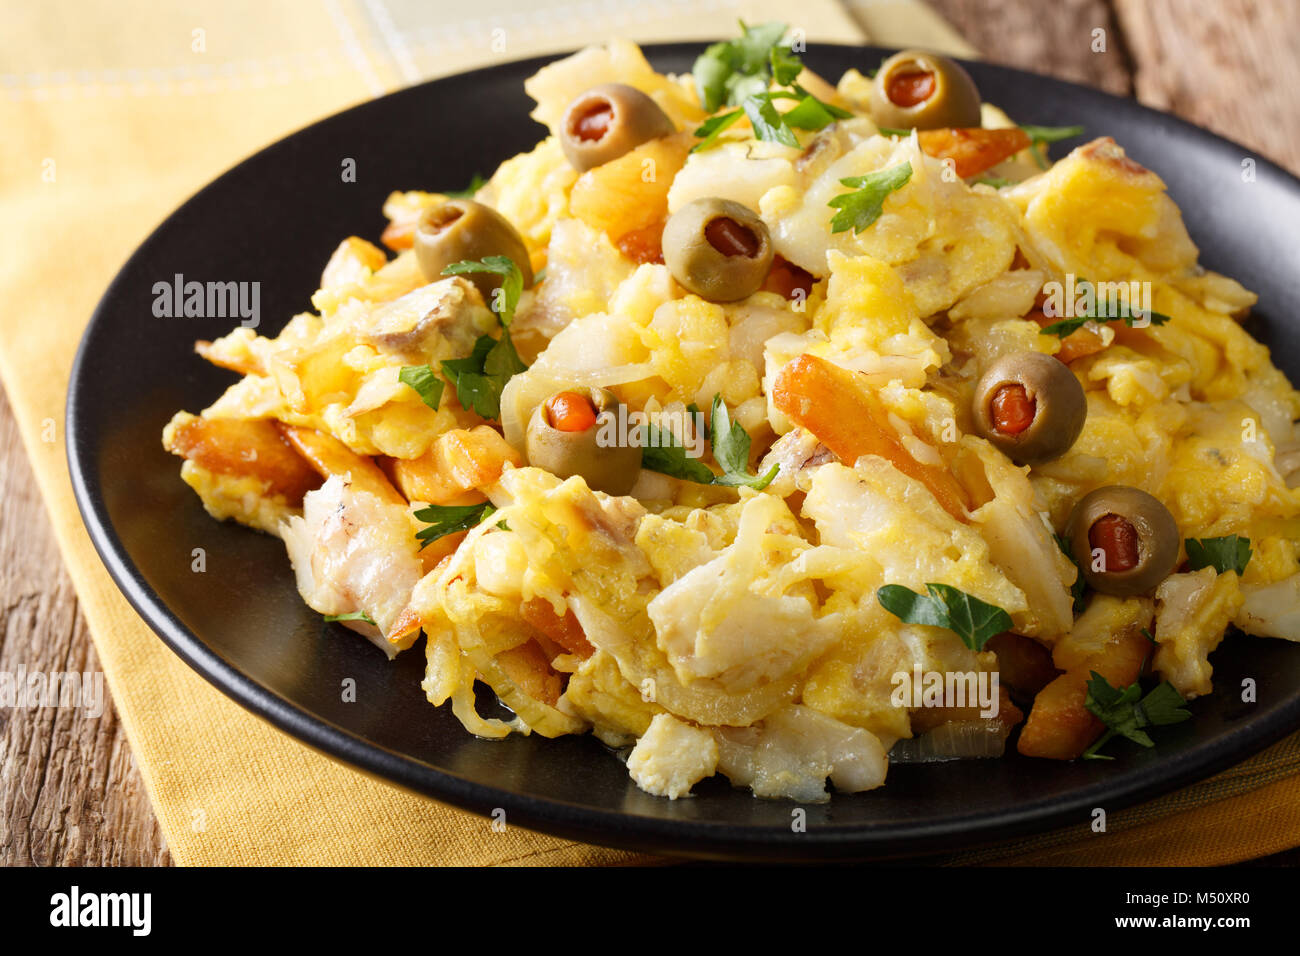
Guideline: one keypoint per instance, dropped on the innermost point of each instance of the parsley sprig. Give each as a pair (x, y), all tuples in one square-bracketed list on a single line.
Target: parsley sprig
[(449, 519), (480, 377), (664, 453), (425, 381), (475, 184), (1044, 136), (971, 619), (859, 209), (728, 72), (731, 450), (1079, 586), (1230, 553), (1125, 712), (354, 616), (738, 73), (1098, 312)]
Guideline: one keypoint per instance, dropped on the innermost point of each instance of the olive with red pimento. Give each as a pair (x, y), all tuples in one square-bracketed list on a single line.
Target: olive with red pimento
[(919, 90), (608, 121), (462, 229), (718, 249), (1124, 540), (1031, 406), (563, 437)]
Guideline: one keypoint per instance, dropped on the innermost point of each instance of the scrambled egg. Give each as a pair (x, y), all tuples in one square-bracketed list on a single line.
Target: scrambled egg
[(716, 629)]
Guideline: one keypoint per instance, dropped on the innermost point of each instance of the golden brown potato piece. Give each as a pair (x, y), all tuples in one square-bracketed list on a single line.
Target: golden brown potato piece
[(848, 419), (1078, 344), (459, 463), (564, 631), (531, 672), (248, 366), (1024, 664), (629, 195), (242, 447), (1060, 727), (403, 211), (329, 456)]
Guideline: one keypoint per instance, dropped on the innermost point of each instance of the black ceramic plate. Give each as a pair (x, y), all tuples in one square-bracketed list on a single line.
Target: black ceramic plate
[(275, 219)]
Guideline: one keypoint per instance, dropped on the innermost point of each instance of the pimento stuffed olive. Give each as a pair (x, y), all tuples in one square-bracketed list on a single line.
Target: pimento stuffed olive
[(462, 229), (607, 121), (1031, 406), (1125, 541), (919, 90), (563, 437), (718, 249)]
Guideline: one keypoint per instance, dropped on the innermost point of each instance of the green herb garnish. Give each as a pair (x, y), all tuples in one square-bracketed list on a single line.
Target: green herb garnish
[(713, 127), (1045, 135), (425, 381), (769, 126), (810, 113), (738, 73), (971, 619), (663, 452), (731, 450), (1097, 313), (505, 299), (475, 184), (1079, 586), (1125, 712), (728, 72), (1230, 553), (859, 209), (480, 377), (354, 616), (449, 519)]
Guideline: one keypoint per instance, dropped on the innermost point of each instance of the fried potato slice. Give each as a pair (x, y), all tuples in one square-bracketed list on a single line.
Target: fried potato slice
[(242, 447), (564, 631), (244, 365), (459, 463), (847, 418), (1060, 726), (1024, 664), (629, 195), (531, 672), (329, 456)]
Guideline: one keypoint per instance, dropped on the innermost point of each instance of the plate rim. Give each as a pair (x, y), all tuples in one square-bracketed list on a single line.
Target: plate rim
[(598, 825)]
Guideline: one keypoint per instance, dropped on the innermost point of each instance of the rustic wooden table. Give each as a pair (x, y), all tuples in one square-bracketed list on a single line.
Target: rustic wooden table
[(69, 790)]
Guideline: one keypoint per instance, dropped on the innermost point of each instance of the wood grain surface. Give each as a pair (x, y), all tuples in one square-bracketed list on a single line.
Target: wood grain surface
[(69, 790)]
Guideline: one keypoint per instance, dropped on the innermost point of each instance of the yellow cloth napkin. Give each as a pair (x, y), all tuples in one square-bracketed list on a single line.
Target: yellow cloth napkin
[(111, 114)]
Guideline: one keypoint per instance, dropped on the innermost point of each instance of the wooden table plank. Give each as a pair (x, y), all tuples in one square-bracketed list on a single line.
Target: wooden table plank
[(1046, 36), (70, 793), (1232, 66)]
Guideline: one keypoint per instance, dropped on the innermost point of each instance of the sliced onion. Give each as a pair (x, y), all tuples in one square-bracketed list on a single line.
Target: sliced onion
[(955, 740)]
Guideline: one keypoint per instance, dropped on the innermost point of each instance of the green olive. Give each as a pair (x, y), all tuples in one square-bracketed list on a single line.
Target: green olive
[(612, 468), (918, 90), (607, 121), (1031, 406), (718, 249), (1124, 540), (461, 229)]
